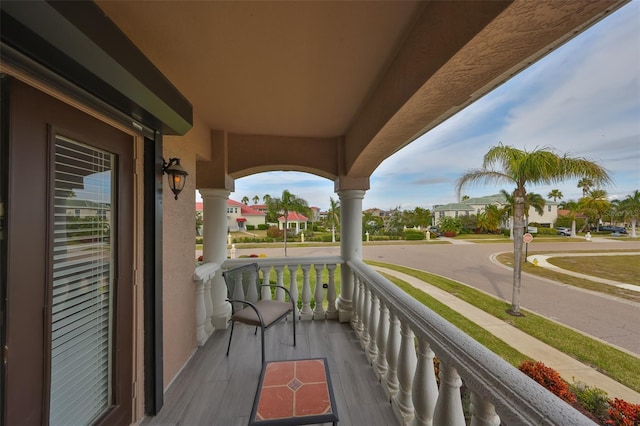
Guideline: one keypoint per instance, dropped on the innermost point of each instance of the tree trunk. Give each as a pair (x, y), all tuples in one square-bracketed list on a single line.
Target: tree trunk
[(286, 226), (518, 231)]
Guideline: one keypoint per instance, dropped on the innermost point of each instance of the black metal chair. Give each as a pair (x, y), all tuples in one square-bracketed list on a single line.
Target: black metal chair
[(244, 292)]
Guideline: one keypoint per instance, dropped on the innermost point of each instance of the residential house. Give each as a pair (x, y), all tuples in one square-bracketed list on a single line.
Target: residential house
[(477, 205), (232, 89), (240, 215)]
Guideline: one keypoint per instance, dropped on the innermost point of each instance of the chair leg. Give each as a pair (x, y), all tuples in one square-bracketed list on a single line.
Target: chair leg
[(230, 336), (294, 328), (256, 331), (262, 337)]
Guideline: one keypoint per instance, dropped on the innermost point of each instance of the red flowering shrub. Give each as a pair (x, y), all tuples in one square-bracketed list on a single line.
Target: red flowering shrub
[(622, 413), (549, 378)]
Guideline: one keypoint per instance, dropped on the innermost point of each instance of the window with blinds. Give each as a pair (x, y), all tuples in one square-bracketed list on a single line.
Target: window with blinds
[(82, 304)]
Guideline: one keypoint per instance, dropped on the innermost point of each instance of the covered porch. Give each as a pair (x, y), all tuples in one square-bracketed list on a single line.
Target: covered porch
[(237, 88)]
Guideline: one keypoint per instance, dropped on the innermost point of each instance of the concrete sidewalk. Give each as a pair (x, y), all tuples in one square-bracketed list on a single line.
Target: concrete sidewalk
[(569, 368)]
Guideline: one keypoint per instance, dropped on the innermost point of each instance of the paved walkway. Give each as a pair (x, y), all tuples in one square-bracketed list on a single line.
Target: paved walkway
[(543, 262), (569, 368)]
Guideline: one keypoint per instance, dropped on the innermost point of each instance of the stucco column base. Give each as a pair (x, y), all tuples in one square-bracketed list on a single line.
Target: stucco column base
[(344, 308)]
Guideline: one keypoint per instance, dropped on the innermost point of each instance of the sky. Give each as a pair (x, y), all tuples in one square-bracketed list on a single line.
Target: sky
[(582, 100)]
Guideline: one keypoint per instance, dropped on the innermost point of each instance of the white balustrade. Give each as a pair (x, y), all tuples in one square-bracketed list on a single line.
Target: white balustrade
[(332, 311), (499, 392), (318, 310), (381, 340), (425, 386), (306, 313), (374, 316), (407, 361), (393, 350), (203, 277)]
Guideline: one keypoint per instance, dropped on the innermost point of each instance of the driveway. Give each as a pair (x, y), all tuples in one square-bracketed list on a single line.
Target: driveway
[(613, 320)]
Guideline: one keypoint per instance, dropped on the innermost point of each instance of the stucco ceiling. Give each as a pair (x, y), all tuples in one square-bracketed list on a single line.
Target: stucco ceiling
[(373, 75)]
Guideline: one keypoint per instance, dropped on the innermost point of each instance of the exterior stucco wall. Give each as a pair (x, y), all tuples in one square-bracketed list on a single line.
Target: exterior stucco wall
[(178, 252)]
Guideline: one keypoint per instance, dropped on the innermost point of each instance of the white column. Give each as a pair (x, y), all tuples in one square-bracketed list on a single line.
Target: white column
[(318, 294), (306, 313), (381, 340), (214, 249), (331, 313), (483, 413), (350, 245)]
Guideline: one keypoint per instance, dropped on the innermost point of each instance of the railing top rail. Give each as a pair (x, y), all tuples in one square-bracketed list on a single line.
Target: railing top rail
[(517, 398), (206, 271), (284, 261)]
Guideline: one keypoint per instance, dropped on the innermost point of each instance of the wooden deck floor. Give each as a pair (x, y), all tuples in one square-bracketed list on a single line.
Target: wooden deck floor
[(214, 389)]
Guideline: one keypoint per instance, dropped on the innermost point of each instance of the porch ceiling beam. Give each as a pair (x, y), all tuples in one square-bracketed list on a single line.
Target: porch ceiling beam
[(77, 41), (249, 154), (456, 53)]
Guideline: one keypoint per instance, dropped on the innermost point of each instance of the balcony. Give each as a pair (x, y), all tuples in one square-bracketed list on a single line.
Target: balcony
[(381, 362)]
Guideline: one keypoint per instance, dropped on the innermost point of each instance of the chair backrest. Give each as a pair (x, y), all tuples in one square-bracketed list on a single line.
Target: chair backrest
[(243, 283)]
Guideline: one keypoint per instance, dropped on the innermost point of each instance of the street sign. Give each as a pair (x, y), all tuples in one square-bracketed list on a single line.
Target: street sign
[(527, 238)]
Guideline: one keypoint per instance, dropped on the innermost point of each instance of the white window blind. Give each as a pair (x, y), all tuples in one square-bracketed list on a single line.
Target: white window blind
[(81, 332)]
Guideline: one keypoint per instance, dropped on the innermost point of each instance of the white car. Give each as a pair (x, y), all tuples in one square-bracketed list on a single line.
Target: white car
[(564, 231)]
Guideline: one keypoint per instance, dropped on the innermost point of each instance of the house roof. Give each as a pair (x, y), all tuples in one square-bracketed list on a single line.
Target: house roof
[(245, 210), (454, 206), (294, 217), (486, 200)]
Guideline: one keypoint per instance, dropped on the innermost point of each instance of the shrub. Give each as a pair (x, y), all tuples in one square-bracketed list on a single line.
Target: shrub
[(547, 231), (413, 235), (198, 240), (549, 378), (622, 413), (593, 399), (274, 232), (263, 226), (250, 227)]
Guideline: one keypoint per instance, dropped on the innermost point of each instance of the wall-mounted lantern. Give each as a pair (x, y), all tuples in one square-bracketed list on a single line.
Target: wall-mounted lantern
[(176, 175)]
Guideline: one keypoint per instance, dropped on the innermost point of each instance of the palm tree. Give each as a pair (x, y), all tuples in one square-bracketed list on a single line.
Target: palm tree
[(255, 199), (586, 184), (555, 194), (266, 198), (285, 204), (536, 201), (245, 200), (540, 166), (597, 201), (631, 207), (333, 217), (574, 209)]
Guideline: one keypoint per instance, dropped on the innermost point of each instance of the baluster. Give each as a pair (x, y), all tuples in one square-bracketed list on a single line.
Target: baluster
[(406, 371), (332, 312), (280, 281), (366, 309), (208, 306), (393, 349), (448, 411), (293, 290), (381, 340), (355, 315), (252, 290), (266, 281), (483, 413), (318, 310), (425, 386), (374, 317), (305, 312), (201, 313)]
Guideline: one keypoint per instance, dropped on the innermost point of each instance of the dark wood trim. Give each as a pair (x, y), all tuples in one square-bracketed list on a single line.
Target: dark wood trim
[(153, 354), (4, 145), (60, 36)]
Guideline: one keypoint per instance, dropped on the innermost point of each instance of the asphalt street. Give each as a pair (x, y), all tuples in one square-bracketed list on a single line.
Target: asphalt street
[(616, 321)]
